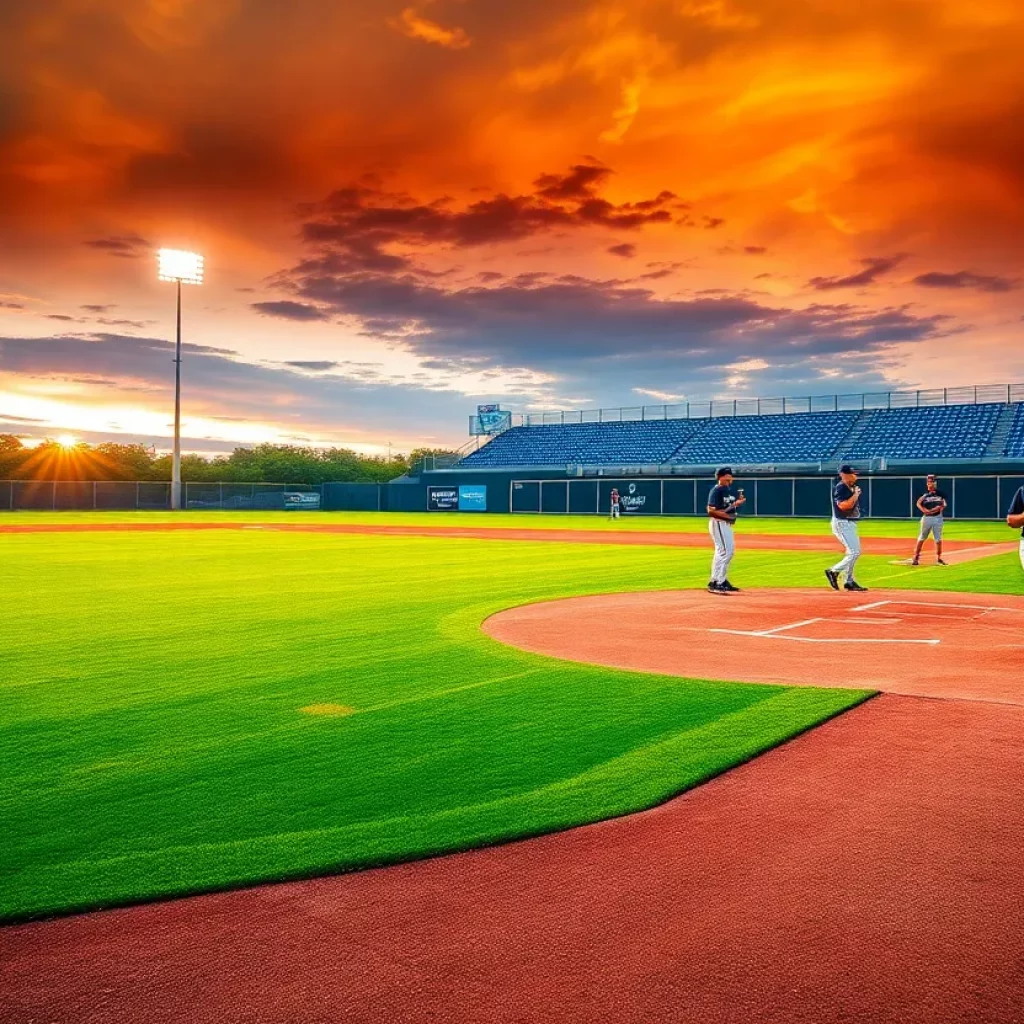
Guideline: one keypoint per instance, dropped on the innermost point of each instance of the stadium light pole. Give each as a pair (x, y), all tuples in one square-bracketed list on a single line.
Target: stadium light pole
[(182, 268)]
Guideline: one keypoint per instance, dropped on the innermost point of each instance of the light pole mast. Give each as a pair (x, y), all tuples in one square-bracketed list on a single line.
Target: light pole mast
[(178, 266), (176, 458)]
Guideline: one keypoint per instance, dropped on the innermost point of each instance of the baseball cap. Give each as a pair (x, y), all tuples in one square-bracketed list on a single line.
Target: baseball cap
[(931, 476), (724, 471), (846, 468)]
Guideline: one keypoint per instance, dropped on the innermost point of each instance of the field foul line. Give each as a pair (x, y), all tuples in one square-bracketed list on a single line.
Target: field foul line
[(869, 622), (816, 640)]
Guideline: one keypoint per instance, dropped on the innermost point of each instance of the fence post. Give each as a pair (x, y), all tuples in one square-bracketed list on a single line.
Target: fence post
[(94, 495), (53, 500)]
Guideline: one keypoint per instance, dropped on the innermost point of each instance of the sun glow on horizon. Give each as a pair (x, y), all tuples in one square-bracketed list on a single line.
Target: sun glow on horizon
[(67, 440)]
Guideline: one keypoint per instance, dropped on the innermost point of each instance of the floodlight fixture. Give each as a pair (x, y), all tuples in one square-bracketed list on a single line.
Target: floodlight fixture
[(181, 267)]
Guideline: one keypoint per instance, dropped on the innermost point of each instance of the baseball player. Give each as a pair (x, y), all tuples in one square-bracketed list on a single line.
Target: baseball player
[(722, 508), (615, 504), (931, 505), (1015, 519), (845, 513)]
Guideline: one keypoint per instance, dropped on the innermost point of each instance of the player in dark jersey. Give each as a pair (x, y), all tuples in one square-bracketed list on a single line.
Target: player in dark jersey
[(1015, 519), (722, 507), (616, 504), (845, 513), (932, 505)]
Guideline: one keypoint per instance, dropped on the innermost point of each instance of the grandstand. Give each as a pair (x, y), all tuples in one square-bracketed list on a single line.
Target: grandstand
[(967, 424)]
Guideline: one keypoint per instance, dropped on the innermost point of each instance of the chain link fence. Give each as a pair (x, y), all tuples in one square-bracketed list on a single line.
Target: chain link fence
[(147, 496)]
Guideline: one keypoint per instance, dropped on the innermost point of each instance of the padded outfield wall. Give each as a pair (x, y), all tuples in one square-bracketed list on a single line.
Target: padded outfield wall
[(888, 495)]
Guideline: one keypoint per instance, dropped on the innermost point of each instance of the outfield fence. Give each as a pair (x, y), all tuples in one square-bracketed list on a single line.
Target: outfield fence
[(148, 495), (885, 497)]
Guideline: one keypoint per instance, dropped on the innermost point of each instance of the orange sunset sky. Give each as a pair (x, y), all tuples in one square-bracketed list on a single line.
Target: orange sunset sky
[(407, 210)]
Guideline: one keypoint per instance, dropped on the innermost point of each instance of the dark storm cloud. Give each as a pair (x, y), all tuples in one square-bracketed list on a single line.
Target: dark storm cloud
[(874, 268), (967, 279), (626, 250), (125, 246), (577, 184), (287, 310), (355, 226), (575, 326)]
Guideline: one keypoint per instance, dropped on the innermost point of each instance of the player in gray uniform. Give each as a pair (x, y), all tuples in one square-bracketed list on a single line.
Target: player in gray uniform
[(1015, 519), (845, 513), (932, 505), (722, 508)]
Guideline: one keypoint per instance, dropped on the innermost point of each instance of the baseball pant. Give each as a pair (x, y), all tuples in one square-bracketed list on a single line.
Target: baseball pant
[(1022, 552), (725, 548), (615, 510), (931, 525), (846, 533)]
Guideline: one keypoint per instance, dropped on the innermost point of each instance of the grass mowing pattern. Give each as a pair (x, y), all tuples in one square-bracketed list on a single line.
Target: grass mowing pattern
[(151, 688)]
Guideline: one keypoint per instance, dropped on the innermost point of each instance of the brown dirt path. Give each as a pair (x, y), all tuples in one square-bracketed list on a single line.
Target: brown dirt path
[(964, 550), (917, 643), (868, 871)]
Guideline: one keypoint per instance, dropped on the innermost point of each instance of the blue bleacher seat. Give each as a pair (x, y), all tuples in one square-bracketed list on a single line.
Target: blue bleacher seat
[(1014, 447), (792, 437), (649, 442), (931, 432), (927, 432)]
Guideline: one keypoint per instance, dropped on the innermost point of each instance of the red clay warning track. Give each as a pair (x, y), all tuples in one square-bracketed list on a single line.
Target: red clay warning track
[(921, 643), (867, 871), (964, 550)]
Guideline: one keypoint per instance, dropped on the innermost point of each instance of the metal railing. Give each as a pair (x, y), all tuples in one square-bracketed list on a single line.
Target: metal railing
[(150, 495), (981, 394)]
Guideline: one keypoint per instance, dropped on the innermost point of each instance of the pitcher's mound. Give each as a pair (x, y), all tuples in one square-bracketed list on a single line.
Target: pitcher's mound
[(960, 646)]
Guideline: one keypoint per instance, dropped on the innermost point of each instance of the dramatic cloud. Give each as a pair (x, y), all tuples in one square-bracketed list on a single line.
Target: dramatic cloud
[(359, 224), (125, 246), (483, 164), (967, 279), (874, 268), (412, 24), (287, 310)]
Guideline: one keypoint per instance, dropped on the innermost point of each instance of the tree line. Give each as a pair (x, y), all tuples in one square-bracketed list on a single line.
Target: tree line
[(263, 463)]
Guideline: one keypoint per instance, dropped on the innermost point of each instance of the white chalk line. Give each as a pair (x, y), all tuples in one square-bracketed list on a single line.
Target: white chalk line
[(823, 640)]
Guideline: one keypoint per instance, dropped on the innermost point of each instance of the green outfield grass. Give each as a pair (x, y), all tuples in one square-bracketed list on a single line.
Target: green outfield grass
[(956, 529), (152, 687)]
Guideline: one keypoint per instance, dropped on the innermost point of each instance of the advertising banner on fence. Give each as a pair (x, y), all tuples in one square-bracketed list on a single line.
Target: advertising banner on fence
[(442, 499), (464, 498), (302, 500), (473, 498), (636, 497)]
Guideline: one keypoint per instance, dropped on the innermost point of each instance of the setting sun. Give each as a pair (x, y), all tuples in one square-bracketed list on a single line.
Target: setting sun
[(67, 440)]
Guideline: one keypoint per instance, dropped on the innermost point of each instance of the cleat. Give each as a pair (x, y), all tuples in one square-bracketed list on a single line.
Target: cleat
[(715, 588), (939, 561), (915, 562), (855, 586), (833, 579), (729, 588)]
